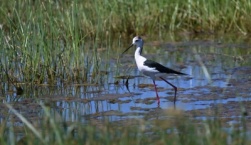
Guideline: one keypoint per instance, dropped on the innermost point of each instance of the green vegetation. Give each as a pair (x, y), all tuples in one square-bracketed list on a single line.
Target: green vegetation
[(174, 128), (51, 41), (60, 39), (77, 20)]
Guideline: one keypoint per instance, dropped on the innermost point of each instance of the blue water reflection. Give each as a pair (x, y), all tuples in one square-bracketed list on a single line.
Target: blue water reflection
[(215, 73)]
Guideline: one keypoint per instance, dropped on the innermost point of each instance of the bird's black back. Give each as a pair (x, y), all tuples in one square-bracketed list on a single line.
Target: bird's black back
[(161, 68)]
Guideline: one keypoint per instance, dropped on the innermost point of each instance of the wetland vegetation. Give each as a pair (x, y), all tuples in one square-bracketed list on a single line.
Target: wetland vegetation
[(63, 80)]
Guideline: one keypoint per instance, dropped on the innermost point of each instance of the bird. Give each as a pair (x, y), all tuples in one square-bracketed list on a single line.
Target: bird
[(151, 68)]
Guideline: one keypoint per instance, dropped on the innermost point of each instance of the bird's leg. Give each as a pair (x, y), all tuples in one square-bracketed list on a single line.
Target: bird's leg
[(174, 87), (156, 92)]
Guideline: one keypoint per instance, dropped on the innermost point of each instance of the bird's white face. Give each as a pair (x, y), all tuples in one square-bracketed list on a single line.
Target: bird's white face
[(137, 41)]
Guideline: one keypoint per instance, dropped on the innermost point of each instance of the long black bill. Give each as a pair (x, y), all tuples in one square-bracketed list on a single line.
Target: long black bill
[(127, 49)]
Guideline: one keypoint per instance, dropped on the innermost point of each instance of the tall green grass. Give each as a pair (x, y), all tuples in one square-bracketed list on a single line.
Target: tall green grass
[(42, 41), (77, 20)]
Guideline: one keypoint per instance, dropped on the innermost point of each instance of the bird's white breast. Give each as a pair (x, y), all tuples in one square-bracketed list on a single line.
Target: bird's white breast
[(140, 62), (147, 71)]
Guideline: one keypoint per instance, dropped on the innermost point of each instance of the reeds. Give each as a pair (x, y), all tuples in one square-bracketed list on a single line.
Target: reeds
[(59, 39)]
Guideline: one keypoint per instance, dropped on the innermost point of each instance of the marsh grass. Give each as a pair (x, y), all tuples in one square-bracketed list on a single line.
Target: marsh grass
[(48, 41)]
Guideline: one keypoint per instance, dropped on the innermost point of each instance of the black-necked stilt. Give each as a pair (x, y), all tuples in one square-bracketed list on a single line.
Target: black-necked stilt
[(151, 68)]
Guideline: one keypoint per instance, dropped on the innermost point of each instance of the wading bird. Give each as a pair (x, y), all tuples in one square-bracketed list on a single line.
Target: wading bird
[(151, 68)]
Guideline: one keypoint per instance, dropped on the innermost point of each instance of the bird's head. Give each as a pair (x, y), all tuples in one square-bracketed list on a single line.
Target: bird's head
[(137, 41)]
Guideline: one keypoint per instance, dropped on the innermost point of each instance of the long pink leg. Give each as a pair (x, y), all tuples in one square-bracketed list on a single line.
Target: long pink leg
[(156, 92), (174, 87)]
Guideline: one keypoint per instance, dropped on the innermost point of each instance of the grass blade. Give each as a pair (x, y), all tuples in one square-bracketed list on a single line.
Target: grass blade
[(26, 122)]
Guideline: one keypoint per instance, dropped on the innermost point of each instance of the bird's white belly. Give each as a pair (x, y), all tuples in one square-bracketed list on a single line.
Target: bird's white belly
[(147, 71)]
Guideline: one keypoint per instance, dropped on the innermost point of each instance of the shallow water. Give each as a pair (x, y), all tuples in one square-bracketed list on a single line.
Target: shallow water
[(216, 72)]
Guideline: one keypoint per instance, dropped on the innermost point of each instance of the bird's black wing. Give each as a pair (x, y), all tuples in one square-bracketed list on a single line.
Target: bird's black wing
[(161, 68)]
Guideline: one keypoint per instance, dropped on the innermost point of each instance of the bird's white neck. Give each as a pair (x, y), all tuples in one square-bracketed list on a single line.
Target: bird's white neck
[(139, 58), (138, 51)]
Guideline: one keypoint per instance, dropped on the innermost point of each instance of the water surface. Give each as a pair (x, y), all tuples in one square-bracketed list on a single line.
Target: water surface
[(218, 73)]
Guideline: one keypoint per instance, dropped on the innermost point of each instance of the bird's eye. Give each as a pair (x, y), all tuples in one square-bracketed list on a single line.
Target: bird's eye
[(136, 40)]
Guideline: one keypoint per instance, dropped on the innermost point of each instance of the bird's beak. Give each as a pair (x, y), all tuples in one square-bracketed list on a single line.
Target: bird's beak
[(127, 49)]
